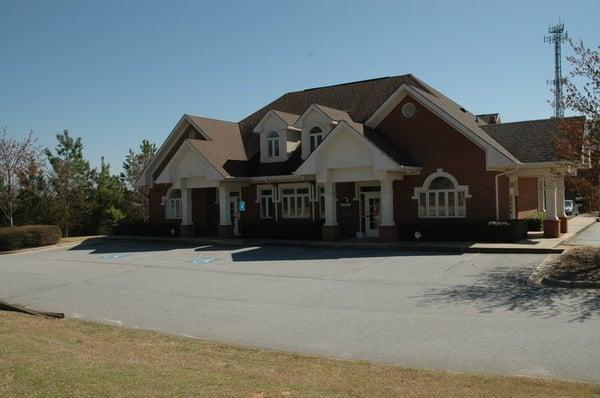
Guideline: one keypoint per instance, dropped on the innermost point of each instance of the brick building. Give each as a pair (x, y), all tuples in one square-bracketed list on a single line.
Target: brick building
[(368, 159)]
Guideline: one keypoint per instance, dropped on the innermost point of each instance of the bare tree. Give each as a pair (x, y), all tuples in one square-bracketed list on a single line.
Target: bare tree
[(16, 156), (581, 143)]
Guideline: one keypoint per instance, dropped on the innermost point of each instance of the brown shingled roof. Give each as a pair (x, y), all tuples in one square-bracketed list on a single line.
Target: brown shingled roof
[(224, 148), (289, 118), (358, 99), (233, 148), (532, 141)]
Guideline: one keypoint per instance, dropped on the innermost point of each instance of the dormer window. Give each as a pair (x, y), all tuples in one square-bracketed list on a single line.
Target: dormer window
[(315, 137), (273, 144)]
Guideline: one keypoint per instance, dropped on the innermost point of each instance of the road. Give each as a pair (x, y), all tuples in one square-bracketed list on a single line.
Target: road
[(461, 312)]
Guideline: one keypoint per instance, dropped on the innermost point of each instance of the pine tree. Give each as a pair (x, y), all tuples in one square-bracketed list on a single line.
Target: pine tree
[(71, 181), (109, 199), (134, 166)]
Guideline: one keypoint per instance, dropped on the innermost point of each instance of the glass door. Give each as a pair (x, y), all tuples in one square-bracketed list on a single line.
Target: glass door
[(372, 213), (234, 211)]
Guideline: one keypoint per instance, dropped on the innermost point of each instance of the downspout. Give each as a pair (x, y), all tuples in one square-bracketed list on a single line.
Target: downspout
[(496, 186)]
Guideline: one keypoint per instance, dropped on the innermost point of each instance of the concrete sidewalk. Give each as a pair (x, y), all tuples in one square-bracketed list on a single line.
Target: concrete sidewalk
[(533, 244)]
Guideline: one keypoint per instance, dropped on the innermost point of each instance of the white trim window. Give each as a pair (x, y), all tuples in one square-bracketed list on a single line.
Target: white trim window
[(295, 201), (173, 205), (273, 144), (315, 137), (266, 200), (441, 197)]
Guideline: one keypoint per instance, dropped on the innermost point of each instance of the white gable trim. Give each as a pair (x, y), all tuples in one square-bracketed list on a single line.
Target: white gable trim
[(386, 163), (271, 113), (311, 108), (165, 175), (494, 157), (166, 147)]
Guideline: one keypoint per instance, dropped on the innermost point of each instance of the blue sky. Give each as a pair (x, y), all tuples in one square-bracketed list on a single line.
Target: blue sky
[(116, 72)]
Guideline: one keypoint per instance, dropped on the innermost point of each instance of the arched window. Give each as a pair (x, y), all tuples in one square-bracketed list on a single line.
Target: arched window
[(315, 137), (442, 197), (273, 144), (173, 204)]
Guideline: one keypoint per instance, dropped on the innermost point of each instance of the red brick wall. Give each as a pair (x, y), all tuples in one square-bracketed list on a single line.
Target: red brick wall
[(157, 211), (527, 200), (434, 144)]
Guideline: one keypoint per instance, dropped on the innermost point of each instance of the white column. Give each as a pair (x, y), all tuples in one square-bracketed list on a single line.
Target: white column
[(186, 204), (330, 204), (224, 206), (540, 192), (560, 196), (387, 202), (550, 189), (513, 187)]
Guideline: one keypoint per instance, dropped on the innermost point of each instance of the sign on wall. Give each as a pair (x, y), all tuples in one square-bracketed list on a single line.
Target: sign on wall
[(242, 206)]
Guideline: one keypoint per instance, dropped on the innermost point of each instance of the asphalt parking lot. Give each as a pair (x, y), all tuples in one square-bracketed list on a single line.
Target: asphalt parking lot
[(463, 312)]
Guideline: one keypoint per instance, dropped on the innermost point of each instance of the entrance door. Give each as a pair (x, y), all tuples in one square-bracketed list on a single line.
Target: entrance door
[(234, 211), (372, 213)]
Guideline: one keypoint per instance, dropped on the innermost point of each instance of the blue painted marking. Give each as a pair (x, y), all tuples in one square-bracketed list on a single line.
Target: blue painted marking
[(204, 260), (114, 256)]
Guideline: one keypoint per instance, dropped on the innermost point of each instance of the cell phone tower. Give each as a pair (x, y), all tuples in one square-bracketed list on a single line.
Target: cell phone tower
[(557, 36)]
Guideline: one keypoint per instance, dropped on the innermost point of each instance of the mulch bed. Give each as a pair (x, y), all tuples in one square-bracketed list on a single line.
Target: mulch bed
[(577, 264)]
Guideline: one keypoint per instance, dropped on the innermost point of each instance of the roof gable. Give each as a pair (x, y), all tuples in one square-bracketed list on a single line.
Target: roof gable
[(284, 119), (458, 117), (349, 155)]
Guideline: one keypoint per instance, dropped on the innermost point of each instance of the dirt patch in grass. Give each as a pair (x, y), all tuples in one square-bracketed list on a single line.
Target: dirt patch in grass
[(577, 264), (62, 358)]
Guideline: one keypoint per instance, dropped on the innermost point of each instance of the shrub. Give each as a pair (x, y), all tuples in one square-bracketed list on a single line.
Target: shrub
[(535, 222), (13, 238), (110, 218)]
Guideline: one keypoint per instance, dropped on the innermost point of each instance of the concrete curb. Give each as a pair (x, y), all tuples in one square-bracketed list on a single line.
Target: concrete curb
[(570, 284), (537, 276), (459, 247)]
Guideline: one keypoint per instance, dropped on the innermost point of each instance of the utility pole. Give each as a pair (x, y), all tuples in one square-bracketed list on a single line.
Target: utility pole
[(557, 36)]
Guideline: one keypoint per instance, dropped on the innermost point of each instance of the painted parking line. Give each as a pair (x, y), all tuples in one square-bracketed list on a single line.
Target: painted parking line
[(204, 260), (115, 256)]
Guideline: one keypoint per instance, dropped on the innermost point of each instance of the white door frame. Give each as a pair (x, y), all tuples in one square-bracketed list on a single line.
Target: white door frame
[(234, 203), (371, 232)]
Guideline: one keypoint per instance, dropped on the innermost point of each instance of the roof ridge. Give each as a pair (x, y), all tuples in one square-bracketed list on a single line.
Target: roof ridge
[(210, 118), (348, 83), (533, 120)]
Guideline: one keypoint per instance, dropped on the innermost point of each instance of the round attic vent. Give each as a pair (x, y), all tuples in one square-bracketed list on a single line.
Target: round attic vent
[(408, 110)]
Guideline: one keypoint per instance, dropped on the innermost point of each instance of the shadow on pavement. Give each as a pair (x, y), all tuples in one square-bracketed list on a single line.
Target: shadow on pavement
[(507, 288), (102, 246), (295, 253), (245, 253)]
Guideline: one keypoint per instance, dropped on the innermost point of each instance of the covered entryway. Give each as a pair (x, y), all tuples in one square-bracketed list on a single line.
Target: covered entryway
[(346, 155)]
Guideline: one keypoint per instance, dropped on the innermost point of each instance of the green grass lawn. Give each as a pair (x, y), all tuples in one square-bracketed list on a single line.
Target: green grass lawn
[(59, 358)]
